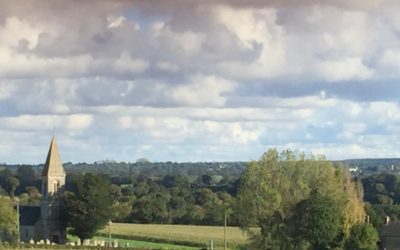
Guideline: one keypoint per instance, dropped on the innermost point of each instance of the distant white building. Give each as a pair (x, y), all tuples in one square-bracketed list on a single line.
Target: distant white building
[(355, 169)]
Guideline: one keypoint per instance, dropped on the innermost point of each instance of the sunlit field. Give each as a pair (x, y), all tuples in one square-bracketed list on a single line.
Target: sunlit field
[(183, 234)]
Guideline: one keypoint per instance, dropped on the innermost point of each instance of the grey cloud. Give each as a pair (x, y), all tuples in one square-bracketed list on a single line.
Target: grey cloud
[(102, 93), (225, 75), (353, 5), (358, 91)]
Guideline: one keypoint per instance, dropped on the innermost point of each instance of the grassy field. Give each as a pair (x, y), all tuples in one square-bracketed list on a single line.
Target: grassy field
[(179, 233), (139, 243), (149, 245)]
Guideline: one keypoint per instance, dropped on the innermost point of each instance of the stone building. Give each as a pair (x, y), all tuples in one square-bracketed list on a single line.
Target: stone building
[(47, 221), (390, 236)]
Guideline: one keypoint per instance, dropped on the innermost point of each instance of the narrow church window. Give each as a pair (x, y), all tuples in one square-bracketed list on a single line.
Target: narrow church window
[(56, 186), (26, 233)]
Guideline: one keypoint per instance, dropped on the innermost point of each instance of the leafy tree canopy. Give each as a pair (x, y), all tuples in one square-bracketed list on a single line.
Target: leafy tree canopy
[(89, 207), (362, 237), (318, 221), (11, 185), (274, 185), (8, 219)]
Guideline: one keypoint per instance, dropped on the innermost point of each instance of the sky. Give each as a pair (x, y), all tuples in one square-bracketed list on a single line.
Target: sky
[(186, 80)]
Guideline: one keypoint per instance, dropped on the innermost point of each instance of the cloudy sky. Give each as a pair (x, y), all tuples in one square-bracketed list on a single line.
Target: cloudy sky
[(187, 80)]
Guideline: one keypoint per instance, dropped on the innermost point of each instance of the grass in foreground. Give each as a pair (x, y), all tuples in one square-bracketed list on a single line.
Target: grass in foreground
[(139, 244), (180, 233), (148, 245)]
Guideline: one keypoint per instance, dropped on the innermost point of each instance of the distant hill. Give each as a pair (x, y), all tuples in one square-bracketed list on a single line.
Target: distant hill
[(234, 169), (377, 162), (153, 169)]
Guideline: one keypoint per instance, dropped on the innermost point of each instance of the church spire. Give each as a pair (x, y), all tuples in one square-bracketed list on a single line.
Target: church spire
[(53, 183), (53, 164)]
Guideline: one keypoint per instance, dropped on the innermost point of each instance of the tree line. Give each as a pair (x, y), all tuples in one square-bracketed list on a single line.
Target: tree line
[(284, 200)]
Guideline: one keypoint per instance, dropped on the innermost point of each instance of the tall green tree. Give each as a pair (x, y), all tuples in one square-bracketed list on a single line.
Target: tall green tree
[(8, 219), (317, 220), (4, 174), (26, 174), (11, 185), (89, 207), (272, 186)]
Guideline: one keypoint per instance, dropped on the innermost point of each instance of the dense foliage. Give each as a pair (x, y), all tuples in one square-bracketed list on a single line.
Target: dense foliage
[(89, 206), (382, 196), (149, 197), (362, 237), (316, 222), (176, 200), (8, 220), (200, 193), (272, 187)]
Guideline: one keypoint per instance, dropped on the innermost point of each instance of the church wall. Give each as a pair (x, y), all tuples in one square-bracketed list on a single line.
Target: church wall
[(39, 231), (27, 233), (53, 184)]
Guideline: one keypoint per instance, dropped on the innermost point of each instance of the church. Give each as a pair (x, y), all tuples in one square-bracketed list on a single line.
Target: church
[(47, 221)]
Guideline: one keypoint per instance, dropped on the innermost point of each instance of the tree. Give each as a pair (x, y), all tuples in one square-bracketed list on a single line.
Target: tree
[(317, 220), (115, 191), (362, 237), (353, 200), (121, 211), (34, 196), (151, 208), (11, 185), (90, 206), (4, 174), (8, 219), (26, 174), (272, 186), (206, 179)]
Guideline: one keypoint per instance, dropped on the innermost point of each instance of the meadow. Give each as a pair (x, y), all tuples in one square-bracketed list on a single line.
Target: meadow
[(137, 244), (178, 234)]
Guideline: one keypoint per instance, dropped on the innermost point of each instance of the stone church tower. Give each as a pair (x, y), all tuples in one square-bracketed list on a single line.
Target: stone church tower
[(51, 210)]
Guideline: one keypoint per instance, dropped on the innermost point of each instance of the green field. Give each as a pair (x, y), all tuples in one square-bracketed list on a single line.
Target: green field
[(178, 234), (148, 245), (140, 244)]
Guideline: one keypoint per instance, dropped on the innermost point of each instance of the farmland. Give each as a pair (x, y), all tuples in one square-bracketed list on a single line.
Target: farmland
[(183, 234)]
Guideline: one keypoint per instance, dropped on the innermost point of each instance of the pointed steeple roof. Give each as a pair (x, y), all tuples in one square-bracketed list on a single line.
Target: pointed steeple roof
[(53, 164)]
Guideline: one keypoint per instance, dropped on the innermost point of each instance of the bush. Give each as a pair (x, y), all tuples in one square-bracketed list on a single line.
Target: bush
[(362, 237)]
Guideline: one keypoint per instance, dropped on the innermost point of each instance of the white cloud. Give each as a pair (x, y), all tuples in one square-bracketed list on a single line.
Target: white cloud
[(203, 91), (47, 122), (115, 21), (244, 135), (344, 70), (79, 121), (254, 28), (125, 64), (15, 30), (167, 66), (208, 80), (6, 90), (14, 65)]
